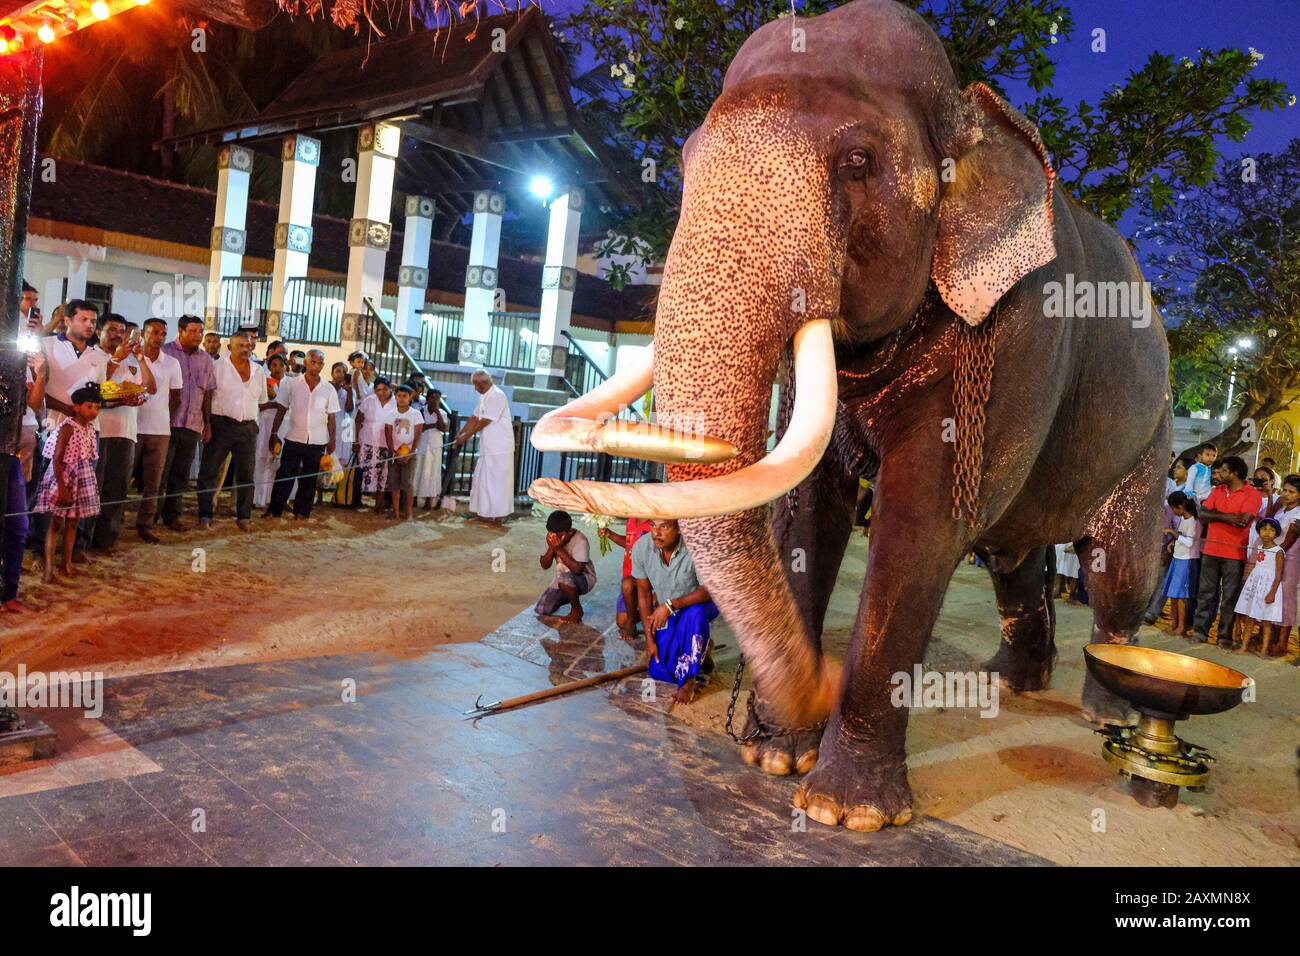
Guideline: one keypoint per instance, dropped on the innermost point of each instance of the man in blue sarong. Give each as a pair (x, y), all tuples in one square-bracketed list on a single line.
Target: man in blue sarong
[(675, 606)]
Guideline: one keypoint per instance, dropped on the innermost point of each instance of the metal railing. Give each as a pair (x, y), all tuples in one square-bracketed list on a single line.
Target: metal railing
[(582, 374), (376, 339), (513, 343), (440, 334), (242, 302), (313, 311)]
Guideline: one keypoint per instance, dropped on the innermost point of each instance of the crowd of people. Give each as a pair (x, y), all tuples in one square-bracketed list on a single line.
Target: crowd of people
[(1230, 552), (109, 399)]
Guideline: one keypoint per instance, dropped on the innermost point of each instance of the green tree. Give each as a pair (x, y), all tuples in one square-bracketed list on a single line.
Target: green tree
[(664, 61), (1224, 262)]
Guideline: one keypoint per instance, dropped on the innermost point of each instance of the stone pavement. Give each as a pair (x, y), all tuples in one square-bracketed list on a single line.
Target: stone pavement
[(274, 764)]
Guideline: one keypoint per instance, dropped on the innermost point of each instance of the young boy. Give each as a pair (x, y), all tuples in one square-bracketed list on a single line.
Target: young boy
[(1198, 484), (569, 550), (403, 434)]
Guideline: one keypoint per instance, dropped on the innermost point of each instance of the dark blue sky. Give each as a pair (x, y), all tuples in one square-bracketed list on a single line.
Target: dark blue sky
[(1136, 28)]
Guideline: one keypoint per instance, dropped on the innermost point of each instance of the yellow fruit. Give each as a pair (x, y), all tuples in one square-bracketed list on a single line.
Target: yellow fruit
[(403, 451)]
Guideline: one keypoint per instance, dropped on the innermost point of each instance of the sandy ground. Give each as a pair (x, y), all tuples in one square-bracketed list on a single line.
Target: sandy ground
[(1031, 777)]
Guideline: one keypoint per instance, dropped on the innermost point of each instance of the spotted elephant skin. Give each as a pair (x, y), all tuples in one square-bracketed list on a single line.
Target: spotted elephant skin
[(843, 173)]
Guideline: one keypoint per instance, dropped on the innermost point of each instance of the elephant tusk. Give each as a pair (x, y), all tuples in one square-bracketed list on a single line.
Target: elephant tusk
[(633, 440), (798, 452)]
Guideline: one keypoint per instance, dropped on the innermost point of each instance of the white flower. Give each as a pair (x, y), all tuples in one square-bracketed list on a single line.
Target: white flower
[(616, 69), (679, 22), (1255, 55), (1055, 27), (1053, 39), (1291, 101), (628, 79), (992, 22)]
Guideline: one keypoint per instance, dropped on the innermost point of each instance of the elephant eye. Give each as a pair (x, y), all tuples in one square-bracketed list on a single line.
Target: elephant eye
[(858, 162)]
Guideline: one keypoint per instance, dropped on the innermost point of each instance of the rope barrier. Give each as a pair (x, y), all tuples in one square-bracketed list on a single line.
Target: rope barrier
[(237, 486)]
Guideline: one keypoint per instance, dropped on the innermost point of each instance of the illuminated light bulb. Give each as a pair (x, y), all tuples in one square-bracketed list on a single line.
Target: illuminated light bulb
[(4, 46), (142, 3), (100, 10), (46, 33)]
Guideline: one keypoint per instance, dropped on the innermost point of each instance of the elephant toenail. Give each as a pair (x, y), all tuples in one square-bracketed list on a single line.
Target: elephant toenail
[(749, 754), (903, 817), (776, 763), (864, 819), (824, 810), (807, 760)]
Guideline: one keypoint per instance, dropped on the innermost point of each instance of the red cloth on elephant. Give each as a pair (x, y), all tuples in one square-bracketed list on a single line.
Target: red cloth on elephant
[(1224, 540)]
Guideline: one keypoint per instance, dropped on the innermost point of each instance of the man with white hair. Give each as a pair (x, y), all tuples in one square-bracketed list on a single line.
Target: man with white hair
[(492, 491)]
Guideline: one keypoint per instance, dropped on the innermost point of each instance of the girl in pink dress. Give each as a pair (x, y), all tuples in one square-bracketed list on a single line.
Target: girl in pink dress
[(1289, 519), (68, 490)]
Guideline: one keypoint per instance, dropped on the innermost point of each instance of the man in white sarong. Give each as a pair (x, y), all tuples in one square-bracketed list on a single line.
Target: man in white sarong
[(492, 492)]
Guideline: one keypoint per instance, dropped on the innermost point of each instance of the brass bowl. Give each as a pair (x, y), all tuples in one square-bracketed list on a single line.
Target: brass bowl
[(1162, 681)]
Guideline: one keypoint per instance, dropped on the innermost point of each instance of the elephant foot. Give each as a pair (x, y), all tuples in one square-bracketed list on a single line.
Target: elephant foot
[(1020, 672), (863, 793), (780, 754), (1102, 707)]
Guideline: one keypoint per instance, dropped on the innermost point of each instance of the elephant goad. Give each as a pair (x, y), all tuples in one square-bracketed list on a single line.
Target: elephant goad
[(848, 205)]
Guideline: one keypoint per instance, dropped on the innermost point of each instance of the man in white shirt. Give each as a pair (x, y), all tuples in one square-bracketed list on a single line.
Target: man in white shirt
[(70, 362), (492, 491), (240, 392), (153, 424), (311, 403), (117, 432)]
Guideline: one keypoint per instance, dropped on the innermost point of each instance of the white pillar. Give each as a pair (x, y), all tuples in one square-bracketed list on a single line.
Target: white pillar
[(228, 241), (481, 278), (293, 231), (370, 232), (77, 269), (413, 278), (559, 279)]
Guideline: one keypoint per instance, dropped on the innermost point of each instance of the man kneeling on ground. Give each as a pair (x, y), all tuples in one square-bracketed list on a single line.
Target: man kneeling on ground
[(575, 575), (677, 629)]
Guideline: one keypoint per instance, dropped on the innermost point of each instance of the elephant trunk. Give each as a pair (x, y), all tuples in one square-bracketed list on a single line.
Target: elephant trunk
[(755, 264)]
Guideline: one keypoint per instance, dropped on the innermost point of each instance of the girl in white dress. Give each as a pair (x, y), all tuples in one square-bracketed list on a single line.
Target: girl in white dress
[(1067, 572), (375, 411), (428, 468), (1259, 602)]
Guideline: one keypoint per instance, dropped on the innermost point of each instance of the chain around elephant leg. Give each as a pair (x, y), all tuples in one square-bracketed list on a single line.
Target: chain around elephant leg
[(775, 750)]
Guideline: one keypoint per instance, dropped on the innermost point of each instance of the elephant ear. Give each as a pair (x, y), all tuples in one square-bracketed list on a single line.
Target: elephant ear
[(995, 216)]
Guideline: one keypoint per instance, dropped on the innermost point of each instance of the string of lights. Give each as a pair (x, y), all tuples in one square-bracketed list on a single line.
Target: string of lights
[(45, 21)]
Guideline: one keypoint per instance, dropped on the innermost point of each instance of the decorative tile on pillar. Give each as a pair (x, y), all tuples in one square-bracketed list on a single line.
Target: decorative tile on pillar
[(481, 277), (209, 320), (411, 343), (292, 237), (421, 207), (370, 233), (473, 351), (301, 149), (348, 328), (225, 239), (488, 201), (272, 324), (384, 138), (237, 158), (559, 277), (576, 199), (413, 277), (551, 358)]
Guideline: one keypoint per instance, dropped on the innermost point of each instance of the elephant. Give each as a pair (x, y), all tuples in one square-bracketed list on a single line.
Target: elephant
[(889, 245)]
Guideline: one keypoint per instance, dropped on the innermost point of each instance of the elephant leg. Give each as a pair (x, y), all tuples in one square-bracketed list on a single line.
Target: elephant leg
[(861, 774), (812, 525), (1122, 563), (1027, 652)]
